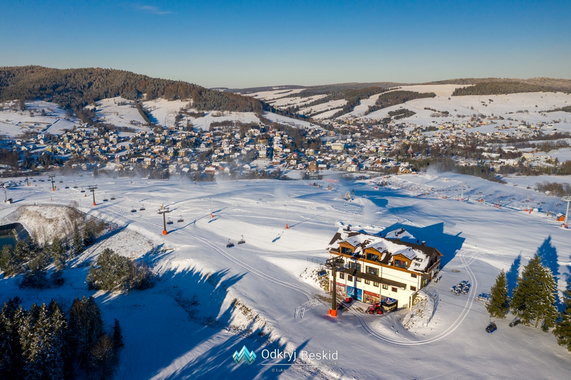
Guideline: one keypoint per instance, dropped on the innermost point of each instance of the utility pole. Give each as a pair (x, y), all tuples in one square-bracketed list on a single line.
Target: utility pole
[(92, 189), (334, 263), (51, 176), (164, 211), (568, 200)]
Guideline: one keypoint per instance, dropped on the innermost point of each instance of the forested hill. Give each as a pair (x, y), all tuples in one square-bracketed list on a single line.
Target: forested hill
[(75, 88)]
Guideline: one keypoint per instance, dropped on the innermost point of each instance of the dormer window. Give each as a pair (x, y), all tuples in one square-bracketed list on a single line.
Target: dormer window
[(400, 263), (347, 251)]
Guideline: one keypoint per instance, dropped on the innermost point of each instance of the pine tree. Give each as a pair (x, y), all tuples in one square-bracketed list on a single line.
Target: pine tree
[(563, 326), (6, 261), (498, 306), (85, 329), (57, 252), (77, 242), (534, 296)]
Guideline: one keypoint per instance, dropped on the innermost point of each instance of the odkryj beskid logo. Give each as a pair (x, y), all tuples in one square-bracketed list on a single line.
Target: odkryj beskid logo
[(244, 355)]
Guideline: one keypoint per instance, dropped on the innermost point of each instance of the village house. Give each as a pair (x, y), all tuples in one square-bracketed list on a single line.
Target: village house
[(376, 268)]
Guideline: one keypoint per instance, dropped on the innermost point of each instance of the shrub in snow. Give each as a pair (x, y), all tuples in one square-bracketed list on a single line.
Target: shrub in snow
[(115, 272)]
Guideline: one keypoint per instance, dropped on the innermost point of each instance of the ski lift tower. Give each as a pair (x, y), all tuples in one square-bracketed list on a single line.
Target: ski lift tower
[(164, 211), (92, 189), (568, 200), (51, 177), (334, 263)]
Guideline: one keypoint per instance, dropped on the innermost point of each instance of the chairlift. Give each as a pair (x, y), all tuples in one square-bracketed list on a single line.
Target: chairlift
[(241, 241), (112, 198), (142, 209), (134, 210), (180, 220), (105, 200), (229, 244), (169, 222)]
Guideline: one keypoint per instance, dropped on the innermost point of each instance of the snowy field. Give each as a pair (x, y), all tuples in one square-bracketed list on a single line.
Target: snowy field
[(38, 117), (212, 300)]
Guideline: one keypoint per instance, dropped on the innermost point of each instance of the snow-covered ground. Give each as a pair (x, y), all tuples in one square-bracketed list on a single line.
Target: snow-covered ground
[(188, 325), (120, 112), (38, 117), (525, 107)]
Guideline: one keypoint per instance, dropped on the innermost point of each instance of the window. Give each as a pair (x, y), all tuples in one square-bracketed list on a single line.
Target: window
[(385, 286), (347, 251), (413, 288), (367, 282), (400, 263), (413, 275), (358, 279), (341, 275), (373, 271), (353, 265), (349, 277), (375, 284), (393, 289), (373, 257)]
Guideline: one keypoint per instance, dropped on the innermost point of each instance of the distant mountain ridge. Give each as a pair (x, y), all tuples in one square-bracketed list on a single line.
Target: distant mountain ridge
[(76, 88)]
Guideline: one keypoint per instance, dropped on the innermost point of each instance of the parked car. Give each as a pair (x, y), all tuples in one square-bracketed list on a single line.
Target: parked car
[(375, 309), (389, 304), (491, 328), (484, 297)]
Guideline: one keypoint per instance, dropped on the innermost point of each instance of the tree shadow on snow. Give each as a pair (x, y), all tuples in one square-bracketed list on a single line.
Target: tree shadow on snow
[(513, 274), (548, 255), (218, 362), (435, 237), (184, 309)]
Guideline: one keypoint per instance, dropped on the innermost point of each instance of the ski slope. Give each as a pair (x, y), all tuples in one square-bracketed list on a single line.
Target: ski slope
[(189, 324)]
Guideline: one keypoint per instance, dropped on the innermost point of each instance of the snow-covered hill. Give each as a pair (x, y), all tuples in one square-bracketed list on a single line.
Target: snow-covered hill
[(212, 300), (36, 117), (509, 110)]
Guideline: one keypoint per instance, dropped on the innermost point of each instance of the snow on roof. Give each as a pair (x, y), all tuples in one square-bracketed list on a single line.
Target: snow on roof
[(418, 254)]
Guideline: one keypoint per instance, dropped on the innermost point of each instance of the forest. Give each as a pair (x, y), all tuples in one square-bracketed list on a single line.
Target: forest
[(75, 88)]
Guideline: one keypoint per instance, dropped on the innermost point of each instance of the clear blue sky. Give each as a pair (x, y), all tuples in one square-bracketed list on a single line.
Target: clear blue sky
[(254, 42)]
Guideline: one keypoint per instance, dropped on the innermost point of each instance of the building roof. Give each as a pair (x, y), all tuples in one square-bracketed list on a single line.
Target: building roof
[(420, 255)]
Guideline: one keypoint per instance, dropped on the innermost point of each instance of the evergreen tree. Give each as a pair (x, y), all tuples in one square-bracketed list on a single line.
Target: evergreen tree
[(85, 329), (563, 326), (10, 355), (6, 261), (77, 242), (534, 297), (57, 252), (498, 306)]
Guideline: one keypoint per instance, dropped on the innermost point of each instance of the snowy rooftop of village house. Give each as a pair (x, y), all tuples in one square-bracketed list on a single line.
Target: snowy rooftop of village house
[(420, 255)]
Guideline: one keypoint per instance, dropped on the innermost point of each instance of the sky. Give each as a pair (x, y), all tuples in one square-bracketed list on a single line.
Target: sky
[(249, 43)]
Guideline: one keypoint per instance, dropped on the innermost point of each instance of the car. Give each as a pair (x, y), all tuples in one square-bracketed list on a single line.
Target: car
[(388, 304), (484, 297), (516, 321), (348, 299), (491, 328), (375, 309)]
